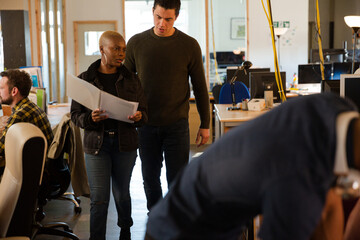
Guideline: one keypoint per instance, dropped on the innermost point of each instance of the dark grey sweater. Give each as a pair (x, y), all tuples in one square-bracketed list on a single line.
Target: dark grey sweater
[(164, 65)]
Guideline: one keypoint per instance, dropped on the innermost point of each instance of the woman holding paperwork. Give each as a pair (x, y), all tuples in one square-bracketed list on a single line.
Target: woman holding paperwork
[(110, 146)]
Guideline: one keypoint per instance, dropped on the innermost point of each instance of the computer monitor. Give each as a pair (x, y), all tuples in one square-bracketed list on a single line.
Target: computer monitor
[(225, 59), (330, 86), (310, 73), (343, 68), (258, 80), (350, 87), (241, 76)]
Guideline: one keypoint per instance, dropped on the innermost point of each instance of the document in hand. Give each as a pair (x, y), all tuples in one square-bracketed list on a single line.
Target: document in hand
[(91, 97)]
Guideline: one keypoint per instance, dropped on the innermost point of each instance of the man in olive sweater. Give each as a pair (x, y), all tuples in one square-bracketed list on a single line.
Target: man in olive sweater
[(164, 59)]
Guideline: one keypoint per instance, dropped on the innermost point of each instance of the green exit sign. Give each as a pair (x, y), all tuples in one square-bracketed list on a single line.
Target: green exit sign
[(281, 24)]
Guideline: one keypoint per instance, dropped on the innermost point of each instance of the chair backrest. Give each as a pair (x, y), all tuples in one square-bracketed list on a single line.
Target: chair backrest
[(25, 152), (216, 93), (241, 92)]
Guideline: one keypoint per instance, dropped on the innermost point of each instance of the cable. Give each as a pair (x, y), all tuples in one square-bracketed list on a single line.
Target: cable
[(319, 41), (217, 77), (276, 62)]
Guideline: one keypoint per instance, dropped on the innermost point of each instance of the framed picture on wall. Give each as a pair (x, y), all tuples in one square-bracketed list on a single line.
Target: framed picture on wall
[(238, 28)]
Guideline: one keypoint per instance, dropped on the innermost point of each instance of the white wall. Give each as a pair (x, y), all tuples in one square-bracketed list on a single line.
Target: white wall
[(223, 13), (294, 43), (86, 10)]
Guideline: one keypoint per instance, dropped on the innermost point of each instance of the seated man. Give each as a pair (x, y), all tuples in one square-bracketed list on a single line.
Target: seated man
[(15, 86), (280, 165)]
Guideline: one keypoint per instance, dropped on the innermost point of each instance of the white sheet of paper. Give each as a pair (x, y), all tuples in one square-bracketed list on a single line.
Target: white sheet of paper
[(83, 92), (93, 98), (123, 108)]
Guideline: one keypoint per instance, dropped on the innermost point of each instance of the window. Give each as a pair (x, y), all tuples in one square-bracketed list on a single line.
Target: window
[(92, 43), (52, 49)]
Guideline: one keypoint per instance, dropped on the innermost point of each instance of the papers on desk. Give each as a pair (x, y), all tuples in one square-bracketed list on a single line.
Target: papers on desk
[(91, 97)]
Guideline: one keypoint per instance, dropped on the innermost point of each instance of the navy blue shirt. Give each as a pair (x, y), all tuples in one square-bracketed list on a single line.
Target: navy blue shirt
[(279, 165)]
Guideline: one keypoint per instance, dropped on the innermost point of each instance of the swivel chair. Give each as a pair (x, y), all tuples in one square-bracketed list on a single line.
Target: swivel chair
[(57, 179), (25, 152), (240, 90)]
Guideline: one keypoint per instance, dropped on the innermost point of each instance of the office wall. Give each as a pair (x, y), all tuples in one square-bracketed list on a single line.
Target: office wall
[(16, 34), (326, 10), (342, 31), (89, 10), (294, 43), (13, 4), (223, 13)]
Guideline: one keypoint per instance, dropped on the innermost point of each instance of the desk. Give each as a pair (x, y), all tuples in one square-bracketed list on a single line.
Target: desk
[(56, 112), (224, 119)]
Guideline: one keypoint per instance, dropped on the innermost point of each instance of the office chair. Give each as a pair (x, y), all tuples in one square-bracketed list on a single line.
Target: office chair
[(25, 152), (55, 182), (216, 92), (240, 89), (57, 178)]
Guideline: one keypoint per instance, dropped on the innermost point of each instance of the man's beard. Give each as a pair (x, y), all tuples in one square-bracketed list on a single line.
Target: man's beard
[(7, 101)]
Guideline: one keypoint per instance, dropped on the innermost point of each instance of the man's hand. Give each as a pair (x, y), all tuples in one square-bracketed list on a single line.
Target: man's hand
[(136, 117), (202, 136), (98, 115)]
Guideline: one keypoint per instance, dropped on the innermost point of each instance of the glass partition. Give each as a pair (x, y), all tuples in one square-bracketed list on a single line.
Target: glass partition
[(227, 37), (229, 30)]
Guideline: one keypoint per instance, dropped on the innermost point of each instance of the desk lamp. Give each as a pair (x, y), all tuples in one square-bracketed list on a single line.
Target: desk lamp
[(279, 31), (245, 66), (354, 23)]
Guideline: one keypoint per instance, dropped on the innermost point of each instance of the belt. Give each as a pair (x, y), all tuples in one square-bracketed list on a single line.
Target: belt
[(110, 133)]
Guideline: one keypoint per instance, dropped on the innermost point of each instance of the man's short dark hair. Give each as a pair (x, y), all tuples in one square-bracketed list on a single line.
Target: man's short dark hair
[(19, 79), (169, 4)]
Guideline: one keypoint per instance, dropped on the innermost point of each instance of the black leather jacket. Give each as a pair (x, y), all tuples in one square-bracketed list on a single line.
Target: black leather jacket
[(128, 87)]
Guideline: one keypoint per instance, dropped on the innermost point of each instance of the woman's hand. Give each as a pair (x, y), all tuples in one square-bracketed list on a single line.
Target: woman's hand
[(136, 117), (98, 115)]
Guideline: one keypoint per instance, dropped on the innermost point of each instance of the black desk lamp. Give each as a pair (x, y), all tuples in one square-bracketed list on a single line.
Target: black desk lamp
[(354, 23), (245, 66)]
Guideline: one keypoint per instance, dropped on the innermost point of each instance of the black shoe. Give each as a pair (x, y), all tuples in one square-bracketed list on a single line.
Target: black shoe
[(125, 234)]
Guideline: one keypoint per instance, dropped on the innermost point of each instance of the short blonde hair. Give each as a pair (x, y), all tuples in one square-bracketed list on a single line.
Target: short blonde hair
[(109, 35)]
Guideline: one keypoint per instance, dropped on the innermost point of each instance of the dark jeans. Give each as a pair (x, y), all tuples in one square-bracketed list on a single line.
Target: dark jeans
[(109, 165), (156, 143)]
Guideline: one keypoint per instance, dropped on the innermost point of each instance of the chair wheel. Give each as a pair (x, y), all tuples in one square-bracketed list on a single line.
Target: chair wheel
[(77, 210)]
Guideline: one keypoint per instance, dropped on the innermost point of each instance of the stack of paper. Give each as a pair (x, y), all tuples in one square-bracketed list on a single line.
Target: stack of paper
[(93, 98)]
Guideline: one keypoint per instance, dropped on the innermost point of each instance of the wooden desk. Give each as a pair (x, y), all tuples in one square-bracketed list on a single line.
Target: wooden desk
[(225, 119), (56, 112)]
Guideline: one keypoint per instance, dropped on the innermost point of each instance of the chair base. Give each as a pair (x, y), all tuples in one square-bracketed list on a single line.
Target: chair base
[(70, 196), (52, 229)]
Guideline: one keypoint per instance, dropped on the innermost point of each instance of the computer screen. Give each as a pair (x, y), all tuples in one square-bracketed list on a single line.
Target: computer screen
[(343, 68), (241, 76), (350, 87), (258, 80), (310, 73), (330, 86), (225, 59)]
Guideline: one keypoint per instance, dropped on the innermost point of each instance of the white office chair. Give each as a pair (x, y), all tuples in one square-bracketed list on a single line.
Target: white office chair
[(25, 152)]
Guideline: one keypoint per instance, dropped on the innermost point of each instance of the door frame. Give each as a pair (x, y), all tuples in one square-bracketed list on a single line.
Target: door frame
[(76, 40)]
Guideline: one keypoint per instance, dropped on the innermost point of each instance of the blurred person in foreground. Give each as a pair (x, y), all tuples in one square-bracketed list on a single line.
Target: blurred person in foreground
[(280, 165)]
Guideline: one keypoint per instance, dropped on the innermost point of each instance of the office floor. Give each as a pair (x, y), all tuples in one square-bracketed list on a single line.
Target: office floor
[(58, 210)]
